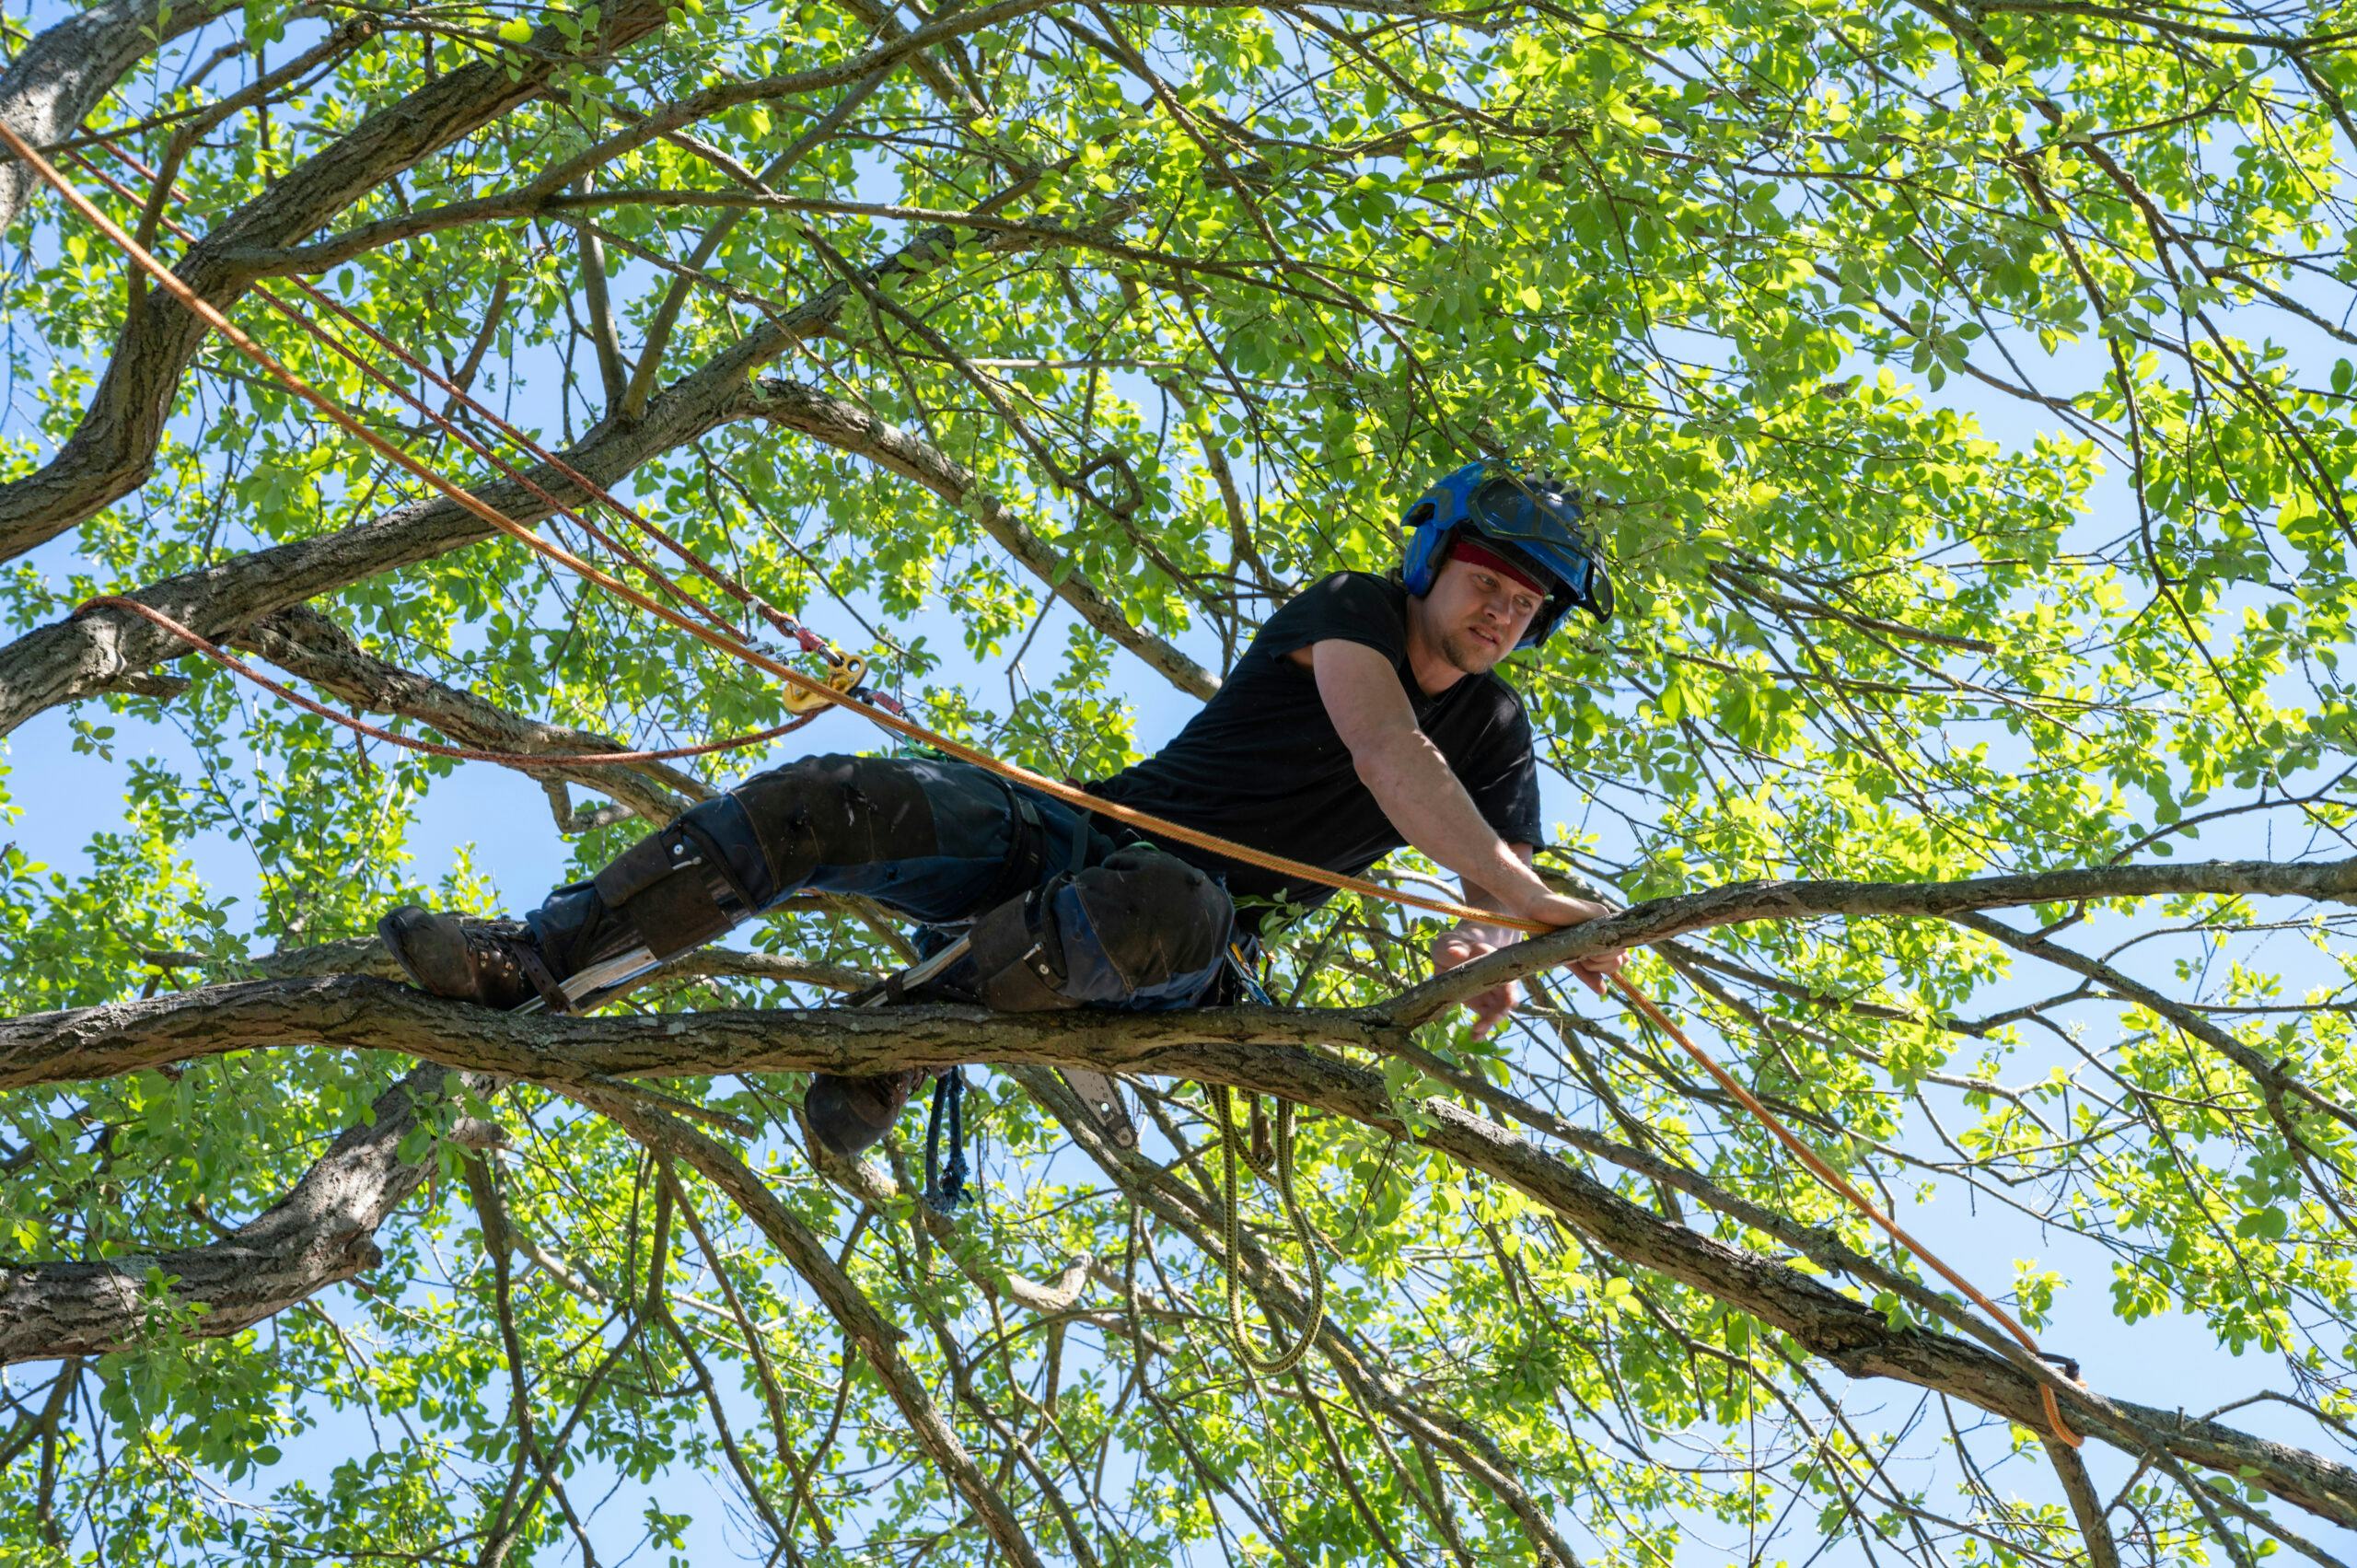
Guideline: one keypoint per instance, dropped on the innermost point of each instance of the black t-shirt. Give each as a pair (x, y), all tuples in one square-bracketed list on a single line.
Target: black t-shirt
[(1262, 764)]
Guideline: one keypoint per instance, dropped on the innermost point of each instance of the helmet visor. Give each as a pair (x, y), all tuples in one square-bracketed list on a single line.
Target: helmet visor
[(1543, 522)]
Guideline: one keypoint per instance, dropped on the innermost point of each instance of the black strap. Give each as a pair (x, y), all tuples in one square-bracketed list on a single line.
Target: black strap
[(1050, 970), (1026, 848), (716, 866), (536, 969), (945, 1189)]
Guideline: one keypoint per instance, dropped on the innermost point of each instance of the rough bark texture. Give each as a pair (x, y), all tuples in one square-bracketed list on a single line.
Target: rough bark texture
[(1253, 1048), (302, 642), (322, 1233), (74, 658), (112, 449), (49, 88)]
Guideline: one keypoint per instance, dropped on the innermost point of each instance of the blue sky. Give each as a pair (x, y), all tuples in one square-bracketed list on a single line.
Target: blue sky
[(501, 819)]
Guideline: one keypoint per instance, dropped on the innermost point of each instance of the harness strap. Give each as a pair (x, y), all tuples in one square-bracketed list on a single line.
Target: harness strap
[(1027, 847), (945, 1189)]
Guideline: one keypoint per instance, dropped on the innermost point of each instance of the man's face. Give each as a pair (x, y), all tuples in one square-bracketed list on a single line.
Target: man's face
[(1474, 616)]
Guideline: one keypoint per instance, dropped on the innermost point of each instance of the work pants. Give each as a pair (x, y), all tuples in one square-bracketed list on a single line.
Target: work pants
[(1061, 912)]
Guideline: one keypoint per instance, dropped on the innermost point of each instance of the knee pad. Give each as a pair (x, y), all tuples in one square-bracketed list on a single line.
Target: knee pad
[(835, 810), (1143, 928)]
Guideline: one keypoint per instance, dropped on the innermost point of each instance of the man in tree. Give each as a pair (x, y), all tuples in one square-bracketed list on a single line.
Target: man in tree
[(1365, 716)]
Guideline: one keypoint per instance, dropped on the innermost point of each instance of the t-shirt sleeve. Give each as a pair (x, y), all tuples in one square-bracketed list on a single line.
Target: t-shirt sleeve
[(1503, 776), (1351, 607)]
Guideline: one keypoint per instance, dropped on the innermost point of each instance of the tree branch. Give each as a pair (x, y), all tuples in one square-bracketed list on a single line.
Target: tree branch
[(1736, 902), (1255, 1050), (322, 1233), (112, 448), (49, 88), (76, 657), (305, 642), (796, 406)]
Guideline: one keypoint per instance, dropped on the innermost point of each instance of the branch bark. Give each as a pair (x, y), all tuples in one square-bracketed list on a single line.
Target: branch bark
[(51, 88), (1736, 902), (305, 642), (77, 657), (1257, 1049), (112, 449), (322, 1233)]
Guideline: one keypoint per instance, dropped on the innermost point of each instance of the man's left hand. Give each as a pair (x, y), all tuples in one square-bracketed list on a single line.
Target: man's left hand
[(1463, 943)]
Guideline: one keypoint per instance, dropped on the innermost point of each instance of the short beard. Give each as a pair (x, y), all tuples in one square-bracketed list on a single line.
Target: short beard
[(1463, 652)]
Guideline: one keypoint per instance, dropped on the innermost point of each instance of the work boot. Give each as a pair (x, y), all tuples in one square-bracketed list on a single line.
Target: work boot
[(851, 1115), (494, 962)]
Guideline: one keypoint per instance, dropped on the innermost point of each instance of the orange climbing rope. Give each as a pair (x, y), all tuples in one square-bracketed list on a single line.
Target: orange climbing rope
[(722, 640), (1841, 1184), (724, 637), (230, 661), (809, 641)]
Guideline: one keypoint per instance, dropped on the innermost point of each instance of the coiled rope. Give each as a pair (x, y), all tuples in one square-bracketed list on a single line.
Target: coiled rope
[(1313, 1313)]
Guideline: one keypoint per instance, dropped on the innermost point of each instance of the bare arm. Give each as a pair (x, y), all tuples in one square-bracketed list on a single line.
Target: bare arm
[(1413, 783), (1410, 779)]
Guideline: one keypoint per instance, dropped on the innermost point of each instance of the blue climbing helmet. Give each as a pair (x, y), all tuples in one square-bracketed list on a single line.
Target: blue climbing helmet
[(1534, 522)]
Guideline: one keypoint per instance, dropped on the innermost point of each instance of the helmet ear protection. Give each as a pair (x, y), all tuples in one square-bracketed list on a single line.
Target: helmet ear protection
[(1538, 520)]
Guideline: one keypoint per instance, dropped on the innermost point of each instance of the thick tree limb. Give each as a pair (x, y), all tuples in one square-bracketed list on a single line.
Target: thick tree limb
[(51, 88), (112, 449), (76, 657), (1737, 902), (305, 642), (359, 1012), (367, 956), (320, 1233), (1255, 1050)]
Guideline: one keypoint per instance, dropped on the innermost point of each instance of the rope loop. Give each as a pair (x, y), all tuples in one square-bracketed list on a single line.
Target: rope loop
[(1286, 1357), (945, 1188)]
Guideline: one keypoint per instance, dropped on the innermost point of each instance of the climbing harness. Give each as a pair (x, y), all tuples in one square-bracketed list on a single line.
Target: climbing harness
[(1526, 525)]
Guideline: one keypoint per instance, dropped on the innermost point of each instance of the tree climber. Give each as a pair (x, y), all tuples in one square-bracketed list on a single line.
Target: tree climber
[(1365, 715)]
